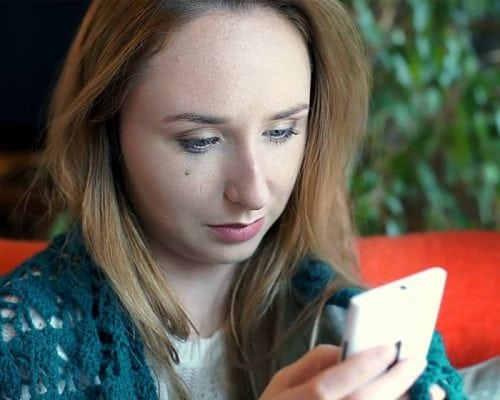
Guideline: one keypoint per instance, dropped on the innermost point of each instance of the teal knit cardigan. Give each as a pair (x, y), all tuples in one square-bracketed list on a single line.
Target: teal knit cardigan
[(65, 335)]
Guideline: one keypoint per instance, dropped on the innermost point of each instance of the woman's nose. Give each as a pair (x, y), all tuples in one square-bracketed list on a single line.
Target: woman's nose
[(247, 184)]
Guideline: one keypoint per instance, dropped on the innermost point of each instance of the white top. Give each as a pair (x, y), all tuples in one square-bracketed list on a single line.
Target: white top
[(202, 367)]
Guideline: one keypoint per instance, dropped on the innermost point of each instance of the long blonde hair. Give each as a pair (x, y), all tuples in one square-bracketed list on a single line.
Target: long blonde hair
[(81, 165)]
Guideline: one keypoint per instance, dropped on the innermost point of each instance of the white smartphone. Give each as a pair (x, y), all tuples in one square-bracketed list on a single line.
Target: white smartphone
[(402, 313)]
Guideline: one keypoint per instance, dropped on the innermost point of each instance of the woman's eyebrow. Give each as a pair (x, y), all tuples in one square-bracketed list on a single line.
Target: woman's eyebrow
[(196, 118), (206, 119), (288, 113)]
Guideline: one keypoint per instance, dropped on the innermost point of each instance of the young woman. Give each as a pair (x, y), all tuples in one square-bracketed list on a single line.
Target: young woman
[(202, 147)]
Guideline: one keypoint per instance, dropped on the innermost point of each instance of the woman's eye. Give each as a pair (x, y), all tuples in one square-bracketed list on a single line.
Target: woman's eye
[(279, 136), (198, 145)]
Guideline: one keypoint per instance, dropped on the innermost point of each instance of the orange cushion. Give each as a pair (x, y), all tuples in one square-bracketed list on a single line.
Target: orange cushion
[(470, 312), (13, 252)]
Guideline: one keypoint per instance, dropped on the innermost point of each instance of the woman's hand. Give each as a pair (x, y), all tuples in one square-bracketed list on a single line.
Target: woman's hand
[(319, 375)]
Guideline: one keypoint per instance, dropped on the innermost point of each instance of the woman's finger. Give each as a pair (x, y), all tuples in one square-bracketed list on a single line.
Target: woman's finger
[(349, 376), (395, 382), (308, 366)]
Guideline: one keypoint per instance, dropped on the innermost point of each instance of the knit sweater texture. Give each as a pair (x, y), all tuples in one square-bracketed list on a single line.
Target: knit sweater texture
[(66, 336)]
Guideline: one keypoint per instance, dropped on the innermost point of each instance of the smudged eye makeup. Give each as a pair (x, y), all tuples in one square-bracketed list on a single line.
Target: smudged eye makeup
[(202, 145)]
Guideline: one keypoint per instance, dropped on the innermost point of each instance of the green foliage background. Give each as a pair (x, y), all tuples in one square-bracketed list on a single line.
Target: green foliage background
[(432, 156)]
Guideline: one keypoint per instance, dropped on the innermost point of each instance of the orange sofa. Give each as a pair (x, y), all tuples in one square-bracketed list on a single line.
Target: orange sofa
[(470, 314)]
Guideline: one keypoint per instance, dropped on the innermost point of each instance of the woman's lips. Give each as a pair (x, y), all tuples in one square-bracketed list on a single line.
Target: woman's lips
[(232, 233)]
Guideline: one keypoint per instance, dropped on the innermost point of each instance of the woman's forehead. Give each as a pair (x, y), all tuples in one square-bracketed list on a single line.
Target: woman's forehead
[(234, 59), (223, 53)]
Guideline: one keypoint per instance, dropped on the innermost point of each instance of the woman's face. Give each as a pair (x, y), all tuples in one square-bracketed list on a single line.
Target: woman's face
[(213, 136)]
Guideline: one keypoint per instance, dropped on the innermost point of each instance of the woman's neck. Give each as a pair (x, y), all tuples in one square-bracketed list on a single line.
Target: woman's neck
[(203, 292)]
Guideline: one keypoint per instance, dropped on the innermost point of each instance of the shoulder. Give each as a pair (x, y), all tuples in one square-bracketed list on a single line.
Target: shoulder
[(41, 303), (64, 333), (314, 276), (43, 284), (310, 282)]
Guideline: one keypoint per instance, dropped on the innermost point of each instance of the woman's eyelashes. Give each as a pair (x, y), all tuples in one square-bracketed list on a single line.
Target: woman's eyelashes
[(198, 145), (202, 145), (280, 136)]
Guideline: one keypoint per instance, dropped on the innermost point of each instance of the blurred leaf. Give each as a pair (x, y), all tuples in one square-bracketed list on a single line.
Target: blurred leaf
[(421, 14), (60, 225), (403, 74)]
